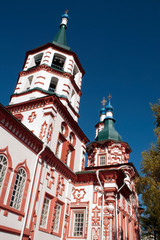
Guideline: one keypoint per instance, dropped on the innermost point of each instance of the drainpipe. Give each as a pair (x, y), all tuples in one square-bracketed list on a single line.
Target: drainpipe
[(30, 191), (101, 232), (116, 210), (67, 189)]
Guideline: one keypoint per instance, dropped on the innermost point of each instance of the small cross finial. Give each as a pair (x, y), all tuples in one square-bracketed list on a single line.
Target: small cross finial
[(109, 97), (103, 102), (66, 11)]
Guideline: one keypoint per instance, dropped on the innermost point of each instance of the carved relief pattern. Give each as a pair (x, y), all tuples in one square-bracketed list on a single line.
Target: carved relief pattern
[(32, 117), (96, 216), (43, 130), (106, 222), (60, 185), (79, 194), (117, 154), (49, 134), (50, 178), (95, 233), (91, 158)]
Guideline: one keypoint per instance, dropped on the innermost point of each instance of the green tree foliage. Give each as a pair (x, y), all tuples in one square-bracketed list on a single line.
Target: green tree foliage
[(149, 183)]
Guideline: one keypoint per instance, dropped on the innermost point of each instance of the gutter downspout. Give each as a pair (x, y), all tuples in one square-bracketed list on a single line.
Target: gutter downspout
[(30, 191), (116, 210), (116, 207), (97, 174)]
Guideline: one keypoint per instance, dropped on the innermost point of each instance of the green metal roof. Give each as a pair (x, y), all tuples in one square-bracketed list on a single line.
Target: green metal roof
[(108, 132), (60, 38)]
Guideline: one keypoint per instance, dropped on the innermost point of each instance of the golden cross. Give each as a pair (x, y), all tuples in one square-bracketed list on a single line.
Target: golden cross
[(103, 102), (109, 97), (66, 11)]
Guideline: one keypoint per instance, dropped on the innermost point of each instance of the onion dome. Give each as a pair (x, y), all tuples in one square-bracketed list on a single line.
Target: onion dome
[(60, 38), (109, 132), (103, 111), (109, 107)]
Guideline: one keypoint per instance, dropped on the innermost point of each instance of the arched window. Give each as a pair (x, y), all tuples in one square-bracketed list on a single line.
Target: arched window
[(53, 84), (73, 98), (18, 188), (58, 61), (29, 82), (38, 59), (64, 129), (3, 167)]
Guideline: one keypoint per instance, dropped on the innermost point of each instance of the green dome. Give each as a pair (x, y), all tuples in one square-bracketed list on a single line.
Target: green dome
[(108, 132)]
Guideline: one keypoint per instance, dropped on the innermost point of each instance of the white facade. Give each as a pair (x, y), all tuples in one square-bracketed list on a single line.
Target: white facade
[(46, 192)]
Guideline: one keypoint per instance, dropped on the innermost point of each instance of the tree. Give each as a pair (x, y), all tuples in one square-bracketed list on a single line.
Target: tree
[(149, 183)]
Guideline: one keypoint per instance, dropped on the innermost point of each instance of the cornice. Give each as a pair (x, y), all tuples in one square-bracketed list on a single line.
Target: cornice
[(108, 142), (41, 91), (51, 70), (41, 102), (23, 134), (55, 47), (61, 167)]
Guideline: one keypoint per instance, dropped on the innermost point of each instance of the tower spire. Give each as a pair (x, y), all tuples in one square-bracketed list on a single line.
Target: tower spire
[(60, 38)]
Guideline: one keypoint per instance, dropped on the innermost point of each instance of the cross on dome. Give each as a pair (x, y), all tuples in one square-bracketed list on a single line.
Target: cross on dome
[(109, 96), (103, 102)]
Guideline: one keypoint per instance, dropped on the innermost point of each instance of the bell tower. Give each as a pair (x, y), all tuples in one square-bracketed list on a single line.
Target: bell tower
[(47, 97), (52, 69)]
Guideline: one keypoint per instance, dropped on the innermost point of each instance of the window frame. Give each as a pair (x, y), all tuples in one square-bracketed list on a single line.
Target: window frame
[(102, 156), (57, 218), (20, 211), (16, 194), (38, 56), (57, 66), (5, 171), (5, 152), (59, 148), (49, 205), (54, 81), (74, 211), (78, 215)]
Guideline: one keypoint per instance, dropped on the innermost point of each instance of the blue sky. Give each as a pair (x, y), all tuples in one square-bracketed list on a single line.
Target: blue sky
[(118, 44)]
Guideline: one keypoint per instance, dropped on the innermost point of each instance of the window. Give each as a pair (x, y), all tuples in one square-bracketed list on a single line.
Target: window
[(73, 98), (18, 189), (78, 224), (72, 139), (59, 147), (57, 218), (58, 61), (102, 160), (68, 157), (38, 59), (45, 212), (75, 70), (64, 129), (29, 82), (53, 84), (3, 167)]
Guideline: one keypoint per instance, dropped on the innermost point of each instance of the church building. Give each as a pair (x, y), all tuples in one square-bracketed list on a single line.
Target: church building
[(46, 191)]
